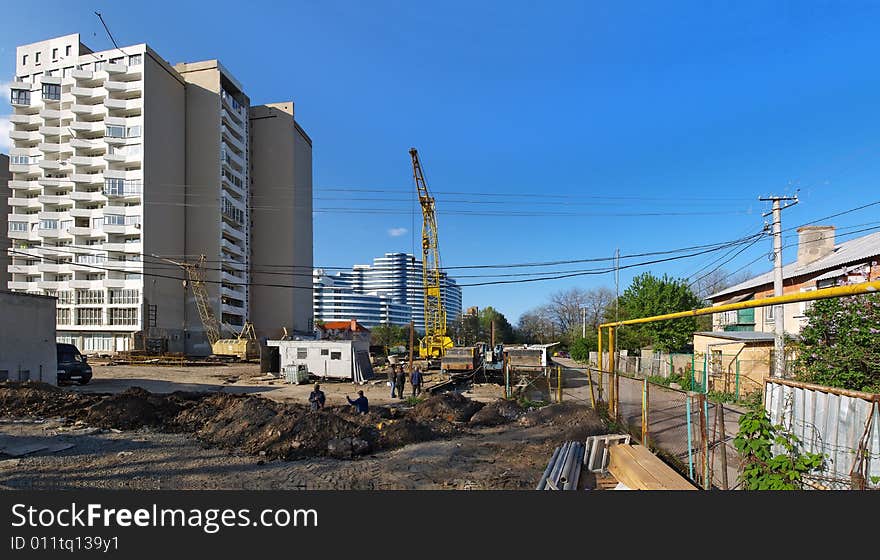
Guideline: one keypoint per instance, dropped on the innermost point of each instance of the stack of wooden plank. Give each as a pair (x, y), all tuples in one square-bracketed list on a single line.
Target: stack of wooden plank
[(639, 469)]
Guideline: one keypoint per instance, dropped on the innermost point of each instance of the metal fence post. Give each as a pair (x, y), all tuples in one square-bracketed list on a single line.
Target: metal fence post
[(645, 412), (558, 384), (590, 381), (690, 437), (720, 415)]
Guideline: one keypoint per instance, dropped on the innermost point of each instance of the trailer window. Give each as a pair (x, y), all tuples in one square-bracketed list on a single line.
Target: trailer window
[(302, 353), (324, 352), (335, 355)]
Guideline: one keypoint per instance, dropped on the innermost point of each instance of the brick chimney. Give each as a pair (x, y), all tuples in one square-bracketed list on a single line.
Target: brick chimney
[(814, 242), (354, 325)]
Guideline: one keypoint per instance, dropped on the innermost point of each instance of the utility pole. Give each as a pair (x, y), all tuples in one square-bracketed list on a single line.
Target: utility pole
[(778, 310), (584, 321), (411, 329)]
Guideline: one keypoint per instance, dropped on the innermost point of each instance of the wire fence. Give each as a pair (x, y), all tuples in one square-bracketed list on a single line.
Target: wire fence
[(692, 433)]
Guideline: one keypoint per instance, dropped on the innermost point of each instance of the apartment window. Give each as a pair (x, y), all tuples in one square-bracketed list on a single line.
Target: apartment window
[(66, 73), (99, 65), (768, 314), (65, 297), (37, 77), (325, 352), (133, 131), (133, 276), (114, 220), (51, 72), (48, 224), (62, 316), (20, 160), (115, 132), (87, 67), (67, 50), (52, 91), (121, 187), (54, 54), (18, 226), (127, 297), (89, 297), (24, 60), (96, 276), (20, 96), (117, 60), (97, 223), (806, 305), (90, 316), (134, 60), (37, 57), (66, 225), (335, 355), (91, 259), (123, 316), (302, 353)]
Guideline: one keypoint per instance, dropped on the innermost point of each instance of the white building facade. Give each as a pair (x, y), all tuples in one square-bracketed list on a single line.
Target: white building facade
[(388, 291)]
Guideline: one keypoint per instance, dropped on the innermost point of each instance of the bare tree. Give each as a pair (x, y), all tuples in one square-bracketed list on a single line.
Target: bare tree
[(566, 308), (717, 280)]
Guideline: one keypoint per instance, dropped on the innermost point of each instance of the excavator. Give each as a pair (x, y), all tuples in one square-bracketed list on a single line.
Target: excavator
[(245, 345), (435, 342)]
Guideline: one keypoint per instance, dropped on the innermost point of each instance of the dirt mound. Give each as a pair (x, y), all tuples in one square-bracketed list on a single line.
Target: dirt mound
[(451, 407), (132, 409), (405, 431), (577, 421), (497, 413), (41, 399)]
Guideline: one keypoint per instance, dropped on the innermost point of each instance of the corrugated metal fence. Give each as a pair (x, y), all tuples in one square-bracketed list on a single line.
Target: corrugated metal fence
[(843, 425)]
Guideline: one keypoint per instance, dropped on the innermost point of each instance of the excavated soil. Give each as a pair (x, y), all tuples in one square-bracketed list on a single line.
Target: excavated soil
[(252, 424), (497, 413)]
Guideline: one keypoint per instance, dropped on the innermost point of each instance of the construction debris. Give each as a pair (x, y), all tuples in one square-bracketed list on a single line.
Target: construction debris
[(564, 469)]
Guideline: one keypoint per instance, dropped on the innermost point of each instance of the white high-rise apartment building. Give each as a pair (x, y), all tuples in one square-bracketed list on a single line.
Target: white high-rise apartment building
[(394, 277), (120, 161)]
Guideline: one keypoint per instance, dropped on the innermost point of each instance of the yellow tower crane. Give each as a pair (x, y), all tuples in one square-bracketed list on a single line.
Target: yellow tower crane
[(435, 342)]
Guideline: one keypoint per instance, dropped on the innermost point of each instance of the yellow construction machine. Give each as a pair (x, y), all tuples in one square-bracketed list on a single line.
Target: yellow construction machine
[(435, 342), (245, 345)]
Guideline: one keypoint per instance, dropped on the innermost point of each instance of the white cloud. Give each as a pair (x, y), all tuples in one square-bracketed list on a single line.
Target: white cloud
[(397, 232), (4, 92), (5, 128)]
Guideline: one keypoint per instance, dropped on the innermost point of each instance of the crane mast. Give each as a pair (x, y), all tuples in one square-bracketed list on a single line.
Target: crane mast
[(435, 342)]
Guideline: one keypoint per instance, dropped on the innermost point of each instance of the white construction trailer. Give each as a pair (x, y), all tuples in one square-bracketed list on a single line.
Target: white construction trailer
[(327, 359), (27, 338)]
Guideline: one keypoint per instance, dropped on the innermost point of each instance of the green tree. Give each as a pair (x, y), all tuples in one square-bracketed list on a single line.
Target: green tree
[(581, 347), (650, 295), (762, 468), (839, 345), (388, 335), (503, 328)]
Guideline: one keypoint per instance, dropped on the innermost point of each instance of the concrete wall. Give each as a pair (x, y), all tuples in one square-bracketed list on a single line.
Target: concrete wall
[(281, 157), (5, 193), (163, 194), (203, 188), (27, 338)]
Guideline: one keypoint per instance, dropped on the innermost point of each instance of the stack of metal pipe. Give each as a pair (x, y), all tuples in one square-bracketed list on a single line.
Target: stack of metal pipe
[(564, 469)]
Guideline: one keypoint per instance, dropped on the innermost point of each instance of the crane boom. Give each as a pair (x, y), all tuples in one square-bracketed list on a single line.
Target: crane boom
[(196, 280), (435, 342)]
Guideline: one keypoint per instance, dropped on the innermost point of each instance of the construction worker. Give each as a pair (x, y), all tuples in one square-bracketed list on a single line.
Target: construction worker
[(317, 398), (360, 403), (416, 380), (392, 377), (400, 382)]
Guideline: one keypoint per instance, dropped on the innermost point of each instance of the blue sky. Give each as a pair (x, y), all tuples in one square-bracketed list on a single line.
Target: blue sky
[(689, 110)]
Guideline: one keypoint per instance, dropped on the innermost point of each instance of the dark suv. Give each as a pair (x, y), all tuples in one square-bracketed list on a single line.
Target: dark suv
[(72, 365)]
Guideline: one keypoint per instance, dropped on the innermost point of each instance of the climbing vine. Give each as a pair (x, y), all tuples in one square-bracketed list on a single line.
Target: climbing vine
[(764, 470)]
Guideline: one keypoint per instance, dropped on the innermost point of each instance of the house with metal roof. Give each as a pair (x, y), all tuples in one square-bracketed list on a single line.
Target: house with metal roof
[(821, 263)]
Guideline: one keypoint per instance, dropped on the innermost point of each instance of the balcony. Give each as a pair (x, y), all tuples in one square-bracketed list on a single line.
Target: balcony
[(20, 202), (80, 126), (87, 178), (123, 104), (232, 232), (25, 185), (25, 169), (122, 158), (88, 196), (25, 135), (55, 268), (232, 247), (83, 231), (58, 182), (29, 269), (55, 199), (132, 229), (89, 110), (121, 174), (86, 284), (55, 114), (82, 75), (86, 92), (125, 266), (121, 283), (52, 164), (87, 161), (21, 286), (129, 248), (24, 235), (51, 148), (86, 212), (87, 144), (25, 119), (113, 69), (55, 132), (135, 86)]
